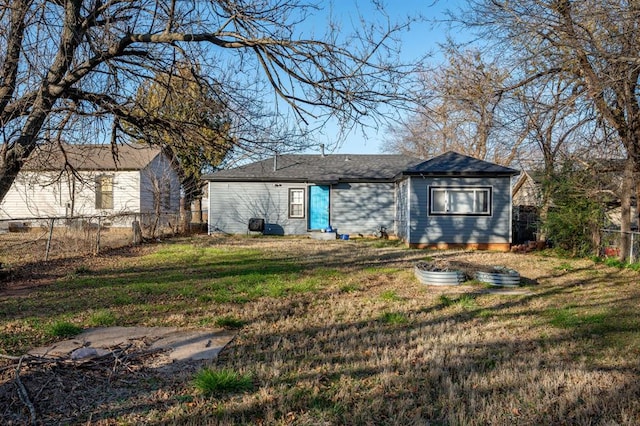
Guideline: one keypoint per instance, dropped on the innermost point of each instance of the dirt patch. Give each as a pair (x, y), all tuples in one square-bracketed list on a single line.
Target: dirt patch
[(61, 391), (21, 280), (357, 341)]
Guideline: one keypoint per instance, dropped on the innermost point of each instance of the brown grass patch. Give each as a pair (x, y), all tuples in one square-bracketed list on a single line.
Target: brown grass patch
[(565, 353)]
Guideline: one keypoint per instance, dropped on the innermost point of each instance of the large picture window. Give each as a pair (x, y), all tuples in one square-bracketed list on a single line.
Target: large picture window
[(471, 201), (104, 192), (296, 203)]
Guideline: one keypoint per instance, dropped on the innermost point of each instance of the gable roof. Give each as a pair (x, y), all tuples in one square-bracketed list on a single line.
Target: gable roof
[(319, 168), (534, 177), (91, 157), (454, 164)]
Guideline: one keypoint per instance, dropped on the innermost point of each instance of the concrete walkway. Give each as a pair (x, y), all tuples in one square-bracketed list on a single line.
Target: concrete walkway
[(179, 344)]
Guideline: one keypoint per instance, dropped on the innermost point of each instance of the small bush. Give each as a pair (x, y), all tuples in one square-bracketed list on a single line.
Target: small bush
[(466, 301), (634, 266), (210, 382), (577, 213), (395, 318), (102, 318), (229, 322), (445, 300), (614, 262), (64, 329)]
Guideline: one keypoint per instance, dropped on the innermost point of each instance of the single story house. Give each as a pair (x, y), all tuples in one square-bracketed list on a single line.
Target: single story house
[(448, 201), (91, 180)]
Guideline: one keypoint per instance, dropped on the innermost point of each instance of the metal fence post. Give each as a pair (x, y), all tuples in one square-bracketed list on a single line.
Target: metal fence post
[(98, 235), (46, 253), (631, 256)]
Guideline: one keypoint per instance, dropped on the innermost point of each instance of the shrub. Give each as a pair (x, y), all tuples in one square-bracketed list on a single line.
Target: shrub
[(574, 221), (445, 300), (64, 329), (229, 322), (211, 382)]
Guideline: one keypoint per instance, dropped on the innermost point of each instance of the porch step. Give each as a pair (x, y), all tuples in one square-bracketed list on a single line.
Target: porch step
[(323, 235)]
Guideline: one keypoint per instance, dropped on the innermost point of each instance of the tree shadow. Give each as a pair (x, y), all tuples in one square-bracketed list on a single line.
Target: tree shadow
[(434, 367)]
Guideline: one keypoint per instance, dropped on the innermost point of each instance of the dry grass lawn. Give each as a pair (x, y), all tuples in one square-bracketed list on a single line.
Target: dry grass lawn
[(331, 333)]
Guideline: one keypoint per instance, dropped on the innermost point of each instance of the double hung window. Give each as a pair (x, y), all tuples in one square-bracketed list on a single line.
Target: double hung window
[(296, 203), (104, 192)]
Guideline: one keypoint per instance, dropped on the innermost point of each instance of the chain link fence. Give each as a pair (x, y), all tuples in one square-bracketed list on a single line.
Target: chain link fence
[(611, 241), (43, 239)]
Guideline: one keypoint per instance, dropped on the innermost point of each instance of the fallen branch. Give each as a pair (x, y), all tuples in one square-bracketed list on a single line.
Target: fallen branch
[(12, 358), (24, 395)]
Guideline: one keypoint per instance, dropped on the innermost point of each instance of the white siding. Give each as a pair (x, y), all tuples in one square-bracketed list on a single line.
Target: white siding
[(39, 195), (529, 193), (36, 195), (49, 194)]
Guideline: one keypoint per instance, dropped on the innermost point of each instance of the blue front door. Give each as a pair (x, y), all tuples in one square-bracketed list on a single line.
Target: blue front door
[(318, 207)]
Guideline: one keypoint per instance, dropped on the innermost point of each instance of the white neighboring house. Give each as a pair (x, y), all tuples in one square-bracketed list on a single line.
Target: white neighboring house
[(90, 180)]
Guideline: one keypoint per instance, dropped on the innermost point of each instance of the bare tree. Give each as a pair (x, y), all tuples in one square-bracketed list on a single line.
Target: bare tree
[(591, 44), (69, 69), (461, 110), (555, 123)]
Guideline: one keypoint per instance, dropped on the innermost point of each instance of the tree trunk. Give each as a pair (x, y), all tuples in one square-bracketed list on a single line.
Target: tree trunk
[(14, 155), (198, 212), (185, 215), (626, 191)]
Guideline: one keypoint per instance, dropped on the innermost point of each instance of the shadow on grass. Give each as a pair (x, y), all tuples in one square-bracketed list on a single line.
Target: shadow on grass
[(431, 368)]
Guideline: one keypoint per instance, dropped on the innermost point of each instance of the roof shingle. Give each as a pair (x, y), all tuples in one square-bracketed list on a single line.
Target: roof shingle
[(454, 164), (318, 168), (91, 157), (356, 168)]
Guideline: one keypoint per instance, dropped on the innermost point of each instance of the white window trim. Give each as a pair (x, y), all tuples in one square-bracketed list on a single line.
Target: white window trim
[(304, 207), (98, 189), (483, 188)]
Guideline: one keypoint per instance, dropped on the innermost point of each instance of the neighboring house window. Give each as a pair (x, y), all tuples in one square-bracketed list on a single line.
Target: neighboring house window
[(296, 203), (104, 192), (472, 201)]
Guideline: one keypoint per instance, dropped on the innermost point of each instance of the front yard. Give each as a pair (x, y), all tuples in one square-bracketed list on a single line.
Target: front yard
[(329, 333)]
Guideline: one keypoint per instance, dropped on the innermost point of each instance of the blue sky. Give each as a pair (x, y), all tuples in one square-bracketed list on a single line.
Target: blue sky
[(420, 39)]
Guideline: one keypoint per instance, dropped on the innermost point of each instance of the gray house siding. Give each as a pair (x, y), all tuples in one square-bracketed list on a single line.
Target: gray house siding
[(367, 192), (232, 204), (402, 209), (355, 208), (493, 229), (362, 208)]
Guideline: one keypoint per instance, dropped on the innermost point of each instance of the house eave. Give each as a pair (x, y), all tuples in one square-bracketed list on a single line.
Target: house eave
[(128, 169), (459, 174), (317, 181)]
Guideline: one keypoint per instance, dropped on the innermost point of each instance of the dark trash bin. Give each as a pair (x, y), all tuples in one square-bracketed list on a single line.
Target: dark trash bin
[(256, 224)]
